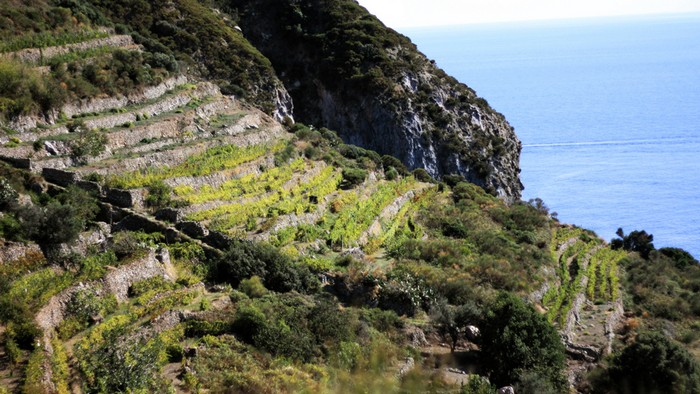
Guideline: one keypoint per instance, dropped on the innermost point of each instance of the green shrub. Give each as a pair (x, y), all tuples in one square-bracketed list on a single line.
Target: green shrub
[(246, 259), (353, 177), (391, 174), (61, 219), (477, 385), (253, 287), (652, 363), (680, 257), (248, 321), (381, 320), (24, 91), (89, 143), (516, 339), (422, 175), (392, 162), (159, 195)]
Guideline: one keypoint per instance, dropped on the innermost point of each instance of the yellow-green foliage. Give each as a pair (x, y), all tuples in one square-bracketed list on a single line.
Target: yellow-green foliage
[(36, 288), (168, 339), (401, 217), (34, 372), (47, 39), (214, 159), (59, 367), (154, 303), (353, 220), (247, 371), (603, 278), (95, 338), (560, 300), (281, 202), (272, 179)]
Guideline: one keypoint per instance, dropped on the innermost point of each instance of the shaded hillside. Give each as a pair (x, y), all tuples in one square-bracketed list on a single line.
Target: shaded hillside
[(347, 71)]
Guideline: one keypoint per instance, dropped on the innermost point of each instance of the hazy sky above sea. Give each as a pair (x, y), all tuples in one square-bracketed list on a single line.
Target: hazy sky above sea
[(417, 13)]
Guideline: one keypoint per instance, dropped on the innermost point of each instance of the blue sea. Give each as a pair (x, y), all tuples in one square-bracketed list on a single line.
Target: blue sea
[(608, 111)]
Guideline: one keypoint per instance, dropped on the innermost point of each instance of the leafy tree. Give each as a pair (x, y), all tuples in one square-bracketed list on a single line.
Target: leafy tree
[(451, 320), (246, 259), (517, 340), (636, 241), (60, 220), (90, 143), (652, 364), (353, 177)]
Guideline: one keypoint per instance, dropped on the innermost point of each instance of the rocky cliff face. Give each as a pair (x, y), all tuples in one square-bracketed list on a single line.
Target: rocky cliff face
[(348, 72)]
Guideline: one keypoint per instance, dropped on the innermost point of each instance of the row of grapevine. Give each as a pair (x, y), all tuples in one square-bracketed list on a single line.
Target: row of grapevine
[(244, 187), (215, 159), (559, 300), (345, 227), (282, 202)]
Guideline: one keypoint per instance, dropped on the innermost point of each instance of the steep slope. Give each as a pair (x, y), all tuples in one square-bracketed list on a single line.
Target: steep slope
[(347, 71)]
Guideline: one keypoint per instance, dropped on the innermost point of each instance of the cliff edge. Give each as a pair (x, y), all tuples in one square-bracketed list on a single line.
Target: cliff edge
[(346, 71)]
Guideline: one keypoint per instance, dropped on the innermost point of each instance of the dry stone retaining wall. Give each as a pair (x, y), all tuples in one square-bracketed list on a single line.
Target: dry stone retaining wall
[(36, 55)]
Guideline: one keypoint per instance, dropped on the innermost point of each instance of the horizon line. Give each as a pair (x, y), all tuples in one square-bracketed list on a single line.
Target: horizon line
[(555, 19)]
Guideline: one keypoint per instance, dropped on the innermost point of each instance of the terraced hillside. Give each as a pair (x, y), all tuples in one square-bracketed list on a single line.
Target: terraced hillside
[(584, 300), (192, 193)]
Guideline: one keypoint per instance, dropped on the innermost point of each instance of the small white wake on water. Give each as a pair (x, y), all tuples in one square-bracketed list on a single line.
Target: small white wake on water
[(620, 142)]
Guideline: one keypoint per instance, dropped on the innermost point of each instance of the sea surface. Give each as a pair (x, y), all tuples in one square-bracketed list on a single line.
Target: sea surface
[(608, 111)]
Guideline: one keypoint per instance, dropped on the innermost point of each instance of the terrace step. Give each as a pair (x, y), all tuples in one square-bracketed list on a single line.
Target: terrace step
[(37, 55), (298, 178), (25, 125), (174, 155)]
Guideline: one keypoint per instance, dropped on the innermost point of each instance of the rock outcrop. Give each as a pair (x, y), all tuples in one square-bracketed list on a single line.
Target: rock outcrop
[(346, 71)]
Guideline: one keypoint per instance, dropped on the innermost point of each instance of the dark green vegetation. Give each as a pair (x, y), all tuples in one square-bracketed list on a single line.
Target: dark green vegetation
[(519, 345), (280, 331), (673, 369), (334, 56), (195, 34), (191, 35)]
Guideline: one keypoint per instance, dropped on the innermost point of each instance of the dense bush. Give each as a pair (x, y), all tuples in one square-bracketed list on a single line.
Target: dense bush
[(651, 364), (636, 241), (680, 257), (353, 177), (159, 195), (24, 91), (58, 220), (661, 286), (517, 340), (295, 326), (245, 259)]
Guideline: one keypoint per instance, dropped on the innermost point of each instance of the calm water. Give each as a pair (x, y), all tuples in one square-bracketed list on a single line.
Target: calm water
[(608, 111)]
